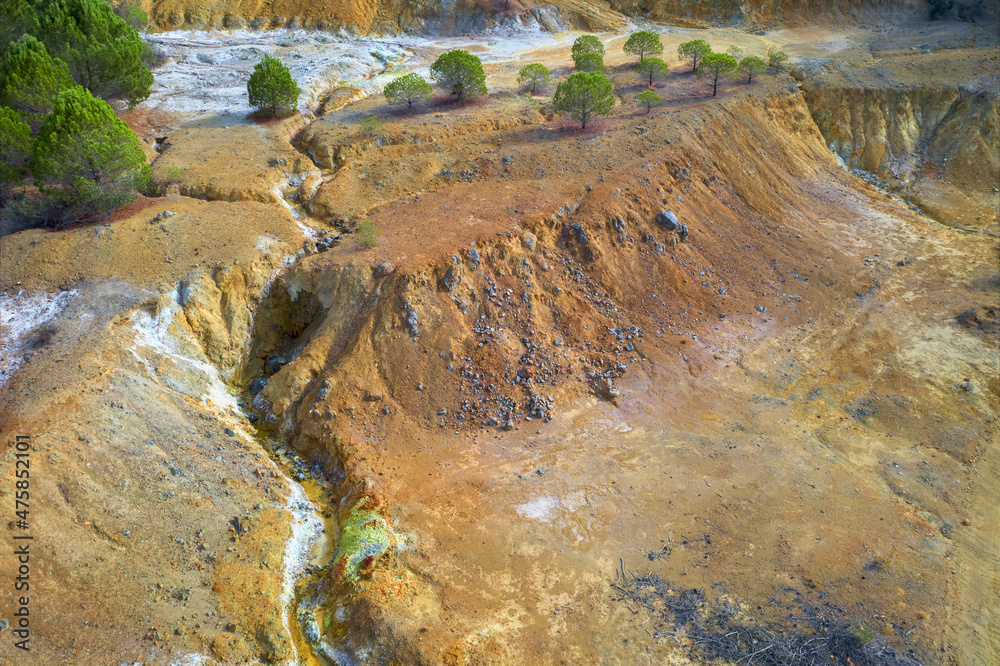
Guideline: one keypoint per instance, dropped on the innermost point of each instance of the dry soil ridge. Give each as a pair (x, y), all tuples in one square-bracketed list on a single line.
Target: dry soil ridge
[(872, 401)]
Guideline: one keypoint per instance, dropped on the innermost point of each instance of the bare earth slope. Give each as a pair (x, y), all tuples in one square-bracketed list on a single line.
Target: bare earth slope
[(534, 425)]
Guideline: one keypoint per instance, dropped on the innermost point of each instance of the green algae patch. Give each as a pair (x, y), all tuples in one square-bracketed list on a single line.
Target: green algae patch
[(365, 535)]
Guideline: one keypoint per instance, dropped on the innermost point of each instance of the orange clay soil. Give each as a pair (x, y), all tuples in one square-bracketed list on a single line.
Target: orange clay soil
[(799, 428)]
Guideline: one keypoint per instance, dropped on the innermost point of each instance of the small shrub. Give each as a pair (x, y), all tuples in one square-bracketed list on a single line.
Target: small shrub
[(648, 99), (535, 75), (862, 633), (174, 174), (368, 234), (776, 59), (372, 127), (41, 336), (734, 51), (130, 12)]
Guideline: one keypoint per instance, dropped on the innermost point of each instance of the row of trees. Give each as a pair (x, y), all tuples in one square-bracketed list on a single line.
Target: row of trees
[(60, 63), (587, 92), (712, 65), (272, 88)]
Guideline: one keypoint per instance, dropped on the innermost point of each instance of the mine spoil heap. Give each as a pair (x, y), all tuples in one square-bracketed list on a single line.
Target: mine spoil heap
[(712, 384)]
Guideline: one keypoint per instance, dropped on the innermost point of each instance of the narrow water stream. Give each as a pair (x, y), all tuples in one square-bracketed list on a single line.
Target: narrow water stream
[(312, 546), (204, 78)]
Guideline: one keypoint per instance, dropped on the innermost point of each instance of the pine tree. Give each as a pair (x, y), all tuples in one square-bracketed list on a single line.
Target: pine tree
[(30, 80), (648, 99), (407, 88), (17, 17), (535, 75), (654, 67), (587, 44), (716, 65), (584, 95), (696, 49), (461, 73), (15, 148), (643, 44), (590, 62), (85, 157), (752, 65), (271, 87), (104, 53)]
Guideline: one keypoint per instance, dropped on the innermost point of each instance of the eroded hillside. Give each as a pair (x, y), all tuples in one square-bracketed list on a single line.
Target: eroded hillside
[(478, 16), (535, 424)]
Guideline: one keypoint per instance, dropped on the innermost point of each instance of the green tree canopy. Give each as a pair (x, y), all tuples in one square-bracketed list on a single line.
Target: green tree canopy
[(584, 95), (535, 75), (16, 18), (587, 44), (461, 73), (775, 58), (696, 49), (30, 80), (271, 87), (752, 65), (648, 99), (734, 51), (652, 67), (643, 44), (590, 62), (85, 157), (407, 88), (104, 53), (716, 65), (15, 149)]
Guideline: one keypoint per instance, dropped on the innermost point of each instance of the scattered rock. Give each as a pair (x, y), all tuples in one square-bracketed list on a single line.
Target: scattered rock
[(275, 363), (162, 216), (605, 388), (257, 385), (474, 259), (411, 323), (451, 279), (668, 220)]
